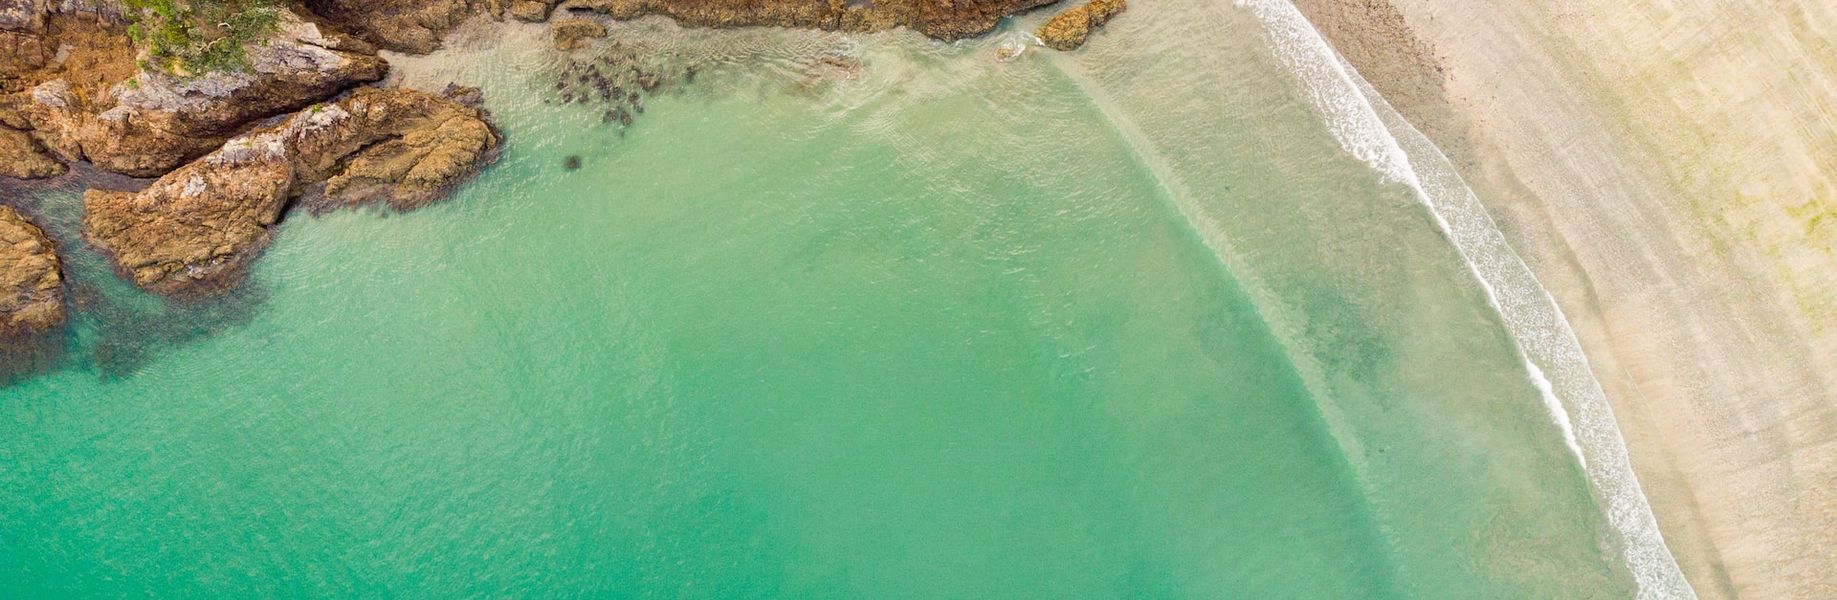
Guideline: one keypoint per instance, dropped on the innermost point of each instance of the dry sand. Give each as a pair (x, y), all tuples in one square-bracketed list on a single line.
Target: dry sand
[(1669, 169)]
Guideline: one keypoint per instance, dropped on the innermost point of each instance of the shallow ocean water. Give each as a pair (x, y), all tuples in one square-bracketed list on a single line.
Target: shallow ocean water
[(1120, 323)]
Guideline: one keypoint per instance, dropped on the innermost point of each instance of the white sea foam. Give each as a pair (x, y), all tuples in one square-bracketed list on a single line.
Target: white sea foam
[(1368, 128)]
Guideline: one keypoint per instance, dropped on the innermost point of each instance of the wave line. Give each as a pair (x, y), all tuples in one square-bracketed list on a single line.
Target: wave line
[(1545, 342)]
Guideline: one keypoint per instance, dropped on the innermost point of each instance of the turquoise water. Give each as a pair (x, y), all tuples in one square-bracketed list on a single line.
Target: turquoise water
[(1124, 323)]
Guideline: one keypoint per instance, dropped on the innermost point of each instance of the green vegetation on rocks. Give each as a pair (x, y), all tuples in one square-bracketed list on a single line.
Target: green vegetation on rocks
[(193, 37)]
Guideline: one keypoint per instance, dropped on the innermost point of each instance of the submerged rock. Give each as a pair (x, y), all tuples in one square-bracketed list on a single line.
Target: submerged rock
[(1071, 28), (195, 230), (31, 284), (572, 32), (464, 94)]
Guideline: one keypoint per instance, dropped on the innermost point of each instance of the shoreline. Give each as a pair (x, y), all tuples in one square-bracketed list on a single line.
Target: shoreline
[(1711, 355), (1705, 320), (104, 104)]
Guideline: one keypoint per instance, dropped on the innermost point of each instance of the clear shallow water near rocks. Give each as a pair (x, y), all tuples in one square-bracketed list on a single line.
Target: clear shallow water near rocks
[(849, 316)]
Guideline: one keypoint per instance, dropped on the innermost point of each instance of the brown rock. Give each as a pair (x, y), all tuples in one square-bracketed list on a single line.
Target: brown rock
[(572, 32), (399, 25), (404, 148), (21, 55), (87, 52), (31, 285), (1071, 28), (195, 230), (22, 157), (26, 16), (534, 11), (151, 122)]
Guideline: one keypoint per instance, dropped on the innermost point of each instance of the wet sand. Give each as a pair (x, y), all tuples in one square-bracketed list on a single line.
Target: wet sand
[(1668, 174)]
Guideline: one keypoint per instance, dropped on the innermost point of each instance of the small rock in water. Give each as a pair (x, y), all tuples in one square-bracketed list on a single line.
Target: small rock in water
[(572, 163), (1009, 51), (463, 94), (1068, 30)]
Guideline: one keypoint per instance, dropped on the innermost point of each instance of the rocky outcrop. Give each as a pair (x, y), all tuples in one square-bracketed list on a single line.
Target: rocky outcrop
[(532, 11), (231, 159), (151, 122), (194, 231), (22, 157), (942, 19), (1071, 28), (22, 47), (85, 52), (400, 25), (573, 32), (31, 284), (398, 147), (22, 15)]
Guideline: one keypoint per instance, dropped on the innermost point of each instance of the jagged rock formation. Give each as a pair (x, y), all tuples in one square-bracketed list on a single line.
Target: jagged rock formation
[(399, 147), (22, 52), (572, 32), (86, 52), (1071, 28), (533, 11), (31, 285), (22, 157), (151, 122), (942, 19), (194, 231), (22, 48), (400, 25)]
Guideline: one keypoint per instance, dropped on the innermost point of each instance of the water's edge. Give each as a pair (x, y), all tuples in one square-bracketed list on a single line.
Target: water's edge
[(1368, 128)]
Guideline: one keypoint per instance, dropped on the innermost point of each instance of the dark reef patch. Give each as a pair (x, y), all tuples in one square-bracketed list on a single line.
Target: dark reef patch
[(126, 337)]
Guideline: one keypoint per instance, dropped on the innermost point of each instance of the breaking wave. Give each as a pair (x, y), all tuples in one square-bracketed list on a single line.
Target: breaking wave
[(1370, 129)]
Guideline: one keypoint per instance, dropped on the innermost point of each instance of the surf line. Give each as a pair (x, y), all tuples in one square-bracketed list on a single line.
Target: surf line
[(1367, 127)]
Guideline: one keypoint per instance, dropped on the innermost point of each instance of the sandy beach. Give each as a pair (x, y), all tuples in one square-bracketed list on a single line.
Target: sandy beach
[(1668, 174)]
